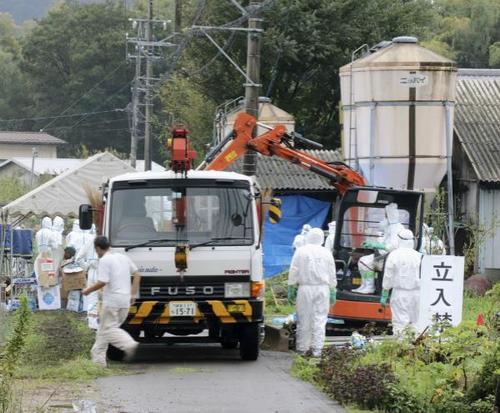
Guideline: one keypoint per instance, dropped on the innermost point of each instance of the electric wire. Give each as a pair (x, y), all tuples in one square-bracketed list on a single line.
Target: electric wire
[(61, 116), (102, 104), (87, 92)]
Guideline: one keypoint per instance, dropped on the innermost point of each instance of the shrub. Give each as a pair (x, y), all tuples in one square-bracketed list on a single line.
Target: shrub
[(347, 382)]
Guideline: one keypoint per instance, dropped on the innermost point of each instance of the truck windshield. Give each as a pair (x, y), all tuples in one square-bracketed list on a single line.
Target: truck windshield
[(212, 215)]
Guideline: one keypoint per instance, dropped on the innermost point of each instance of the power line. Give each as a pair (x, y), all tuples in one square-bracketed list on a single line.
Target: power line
[(61, 116), (87, 92), (86, 124), (107, 100)]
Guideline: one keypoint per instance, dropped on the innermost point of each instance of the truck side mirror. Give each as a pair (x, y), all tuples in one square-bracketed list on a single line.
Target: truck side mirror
[(275, 211), (85, 215)]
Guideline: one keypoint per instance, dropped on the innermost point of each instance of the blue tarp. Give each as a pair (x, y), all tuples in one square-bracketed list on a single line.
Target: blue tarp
[(297, 210), (19, 239)]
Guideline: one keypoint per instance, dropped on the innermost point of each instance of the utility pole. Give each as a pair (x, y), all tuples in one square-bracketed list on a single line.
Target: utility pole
[(252, 88), (146, 51), (148, 147), (135, 111), (252, 74)]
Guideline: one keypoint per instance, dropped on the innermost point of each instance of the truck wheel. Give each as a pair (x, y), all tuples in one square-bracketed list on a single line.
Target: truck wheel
[(115, 354), (249, 342), (229, 343)]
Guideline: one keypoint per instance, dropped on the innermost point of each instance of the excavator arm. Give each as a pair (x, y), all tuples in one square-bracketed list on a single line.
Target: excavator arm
[(276, 142)]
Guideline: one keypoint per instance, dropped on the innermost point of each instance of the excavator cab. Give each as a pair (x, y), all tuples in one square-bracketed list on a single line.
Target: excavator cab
[(360, 213)]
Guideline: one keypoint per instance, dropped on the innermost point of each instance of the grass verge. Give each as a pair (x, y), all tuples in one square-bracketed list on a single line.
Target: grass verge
[(58, 349), (452, 372), (276, 296)]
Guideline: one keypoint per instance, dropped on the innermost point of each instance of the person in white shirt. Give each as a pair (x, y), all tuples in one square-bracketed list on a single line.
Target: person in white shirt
[(113, 276)]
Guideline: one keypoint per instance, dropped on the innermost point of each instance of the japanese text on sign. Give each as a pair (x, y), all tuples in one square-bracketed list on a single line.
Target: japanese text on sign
[(441, 290), (414, 80)]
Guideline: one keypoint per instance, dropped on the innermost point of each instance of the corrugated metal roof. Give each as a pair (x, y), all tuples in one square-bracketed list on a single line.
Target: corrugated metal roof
[(41, 166), (477, 120), (56, 166), (273, 172), (23, 138)]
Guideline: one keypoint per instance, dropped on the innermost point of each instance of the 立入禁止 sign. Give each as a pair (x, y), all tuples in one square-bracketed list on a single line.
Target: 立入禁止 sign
[(441, 290)]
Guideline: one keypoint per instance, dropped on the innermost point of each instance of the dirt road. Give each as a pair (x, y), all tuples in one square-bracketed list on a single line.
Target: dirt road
[(207, 379)]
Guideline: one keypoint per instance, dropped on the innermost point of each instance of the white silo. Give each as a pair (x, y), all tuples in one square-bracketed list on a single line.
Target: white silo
[(401, 114)]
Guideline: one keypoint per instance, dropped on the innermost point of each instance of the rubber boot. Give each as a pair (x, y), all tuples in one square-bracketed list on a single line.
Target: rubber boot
[(369, 286)]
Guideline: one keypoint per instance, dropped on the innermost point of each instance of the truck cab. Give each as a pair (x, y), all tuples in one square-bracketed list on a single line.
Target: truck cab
[(195, 239)]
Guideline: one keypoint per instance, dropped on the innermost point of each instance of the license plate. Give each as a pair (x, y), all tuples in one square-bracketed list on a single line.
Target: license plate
[(236, 308), (356, 281), (182, 309)]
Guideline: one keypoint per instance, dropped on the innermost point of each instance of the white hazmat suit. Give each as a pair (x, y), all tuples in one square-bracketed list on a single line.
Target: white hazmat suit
[(45, 268), (76, 238), (330, 239), (87, 258), (402, 275), (57, 240), (300, 239), (44, 236), (313, 270), (390, 226)]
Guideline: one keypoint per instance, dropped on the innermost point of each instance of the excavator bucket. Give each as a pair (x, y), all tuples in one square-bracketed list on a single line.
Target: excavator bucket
[(276, 339)]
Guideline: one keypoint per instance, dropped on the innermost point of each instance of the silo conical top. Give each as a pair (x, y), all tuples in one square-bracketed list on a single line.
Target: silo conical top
[(403, 53)]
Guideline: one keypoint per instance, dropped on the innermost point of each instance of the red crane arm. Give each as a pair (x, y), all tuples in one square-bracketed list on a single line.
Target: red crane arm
[(270, 144)]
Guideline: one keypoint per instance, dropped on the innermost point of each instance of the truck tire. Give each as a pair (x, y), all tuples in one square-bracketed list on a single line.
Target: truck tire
[(115, 354), (249, 342)]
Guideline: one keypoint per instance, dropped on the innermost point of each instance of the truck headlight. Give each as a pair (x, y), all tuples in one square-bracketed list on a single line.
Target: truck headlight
[(236, 290)]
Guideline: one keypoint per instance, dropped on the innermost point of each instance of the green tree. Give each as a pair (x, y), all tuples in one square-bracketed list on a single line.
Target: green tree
[(305, 44), (14, 86), (75, 58), (469, 32)]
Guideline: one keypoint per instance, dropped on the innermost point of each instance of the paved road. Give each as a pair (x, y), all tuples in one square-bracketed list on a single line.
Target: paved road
[(205, 379)]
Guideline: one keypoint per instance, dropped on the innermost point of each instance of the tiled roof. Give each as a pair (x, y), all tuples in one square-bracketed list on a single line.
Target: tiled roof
[(477, 120), (30, 138), (278, 174)]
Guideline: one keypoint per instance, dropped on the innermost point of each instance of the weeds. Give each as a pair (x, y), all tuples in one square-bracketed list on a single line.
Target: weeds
[(305, 369), (276, 296), (58, 344), (454, 372), (9, 358)]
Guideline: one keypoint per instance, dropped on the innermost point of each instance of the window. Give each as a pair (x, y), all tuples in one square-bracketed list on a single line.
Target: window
[(192, 214), (366, 224)]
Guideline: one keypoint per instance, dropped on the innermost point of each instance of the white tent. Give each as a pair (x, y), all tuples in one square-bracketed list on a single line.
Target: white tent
[(64, 194)]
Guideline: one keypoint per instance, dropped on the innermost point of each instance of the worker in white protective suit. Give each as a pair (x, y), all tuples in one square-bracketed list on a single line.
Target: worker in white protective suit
[(57, 243), (76, 237), (313, 271), (300, 239), (330, 239), (402, 275), (431, 244), (45, 270), (390, 226), (87, 258), (44, 236)]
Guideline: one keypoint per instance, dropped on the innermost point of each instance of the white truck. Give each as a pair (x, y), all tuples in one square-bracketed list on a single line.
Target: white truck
[(195, 237)]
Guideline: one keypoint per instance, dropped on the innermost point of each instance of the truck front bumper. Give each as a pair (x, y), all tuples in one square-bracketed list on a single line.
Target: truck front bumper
[(152, 313)]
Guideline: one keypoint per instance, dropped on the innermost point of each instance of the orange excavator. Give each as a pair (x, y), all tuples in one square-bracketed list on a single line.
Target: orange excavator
[(358, 212)]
